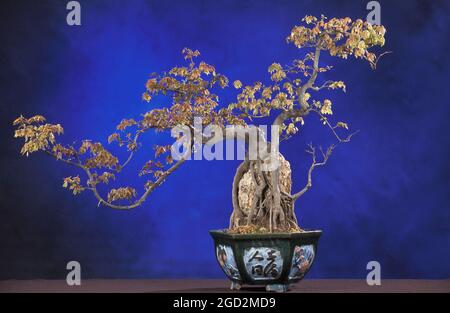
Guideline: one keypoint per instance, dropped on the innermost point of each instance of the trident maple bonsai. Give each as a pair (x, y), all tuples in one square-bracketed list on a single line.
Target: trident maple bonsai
[(262, 198)]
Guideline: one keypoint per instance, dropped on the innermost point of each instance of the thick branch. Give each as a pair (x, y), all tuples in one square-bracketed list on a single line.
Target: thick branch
[(310, 82), (283, 116)]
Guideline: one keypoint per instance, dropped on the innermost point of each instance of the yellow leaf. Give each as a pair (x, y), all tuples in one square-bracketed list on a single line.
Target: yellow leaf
[(237, 84), (326, 107), (146, 97), (342, 125)]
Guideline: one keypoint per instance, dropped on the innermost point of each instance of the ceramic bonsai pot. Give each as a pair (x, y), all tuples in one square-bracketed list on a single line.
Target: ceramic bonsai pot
[(273, 260)]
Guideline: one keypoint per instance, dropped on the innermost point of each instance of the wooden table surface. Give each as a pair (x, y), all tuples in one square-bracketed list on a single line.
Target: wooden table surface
[(220, 285)]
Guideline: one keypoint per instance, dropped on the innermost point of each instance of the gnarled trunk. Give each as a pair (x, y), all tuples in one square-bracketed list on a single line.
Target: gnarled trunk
[(262, 199)]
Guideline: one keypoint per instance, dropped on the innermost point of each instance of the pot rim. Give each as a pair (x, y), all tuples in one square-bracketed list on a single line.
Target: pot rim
[(305, 234)]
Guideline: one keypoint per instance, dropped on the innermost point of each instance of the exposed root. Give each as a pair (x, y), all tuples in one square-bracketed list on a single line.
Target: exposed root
[(268, 205), (253, 229)]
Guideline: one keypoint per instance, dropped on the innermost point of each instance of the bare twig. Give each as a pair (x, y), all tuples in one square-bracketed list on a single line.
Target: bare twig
[(333, 128), (374, 65), (325, 156)]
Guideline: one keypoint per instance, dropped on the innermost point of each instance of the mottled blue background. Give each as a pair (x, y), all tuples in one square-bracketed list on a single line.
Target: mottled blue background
[(384, 197)]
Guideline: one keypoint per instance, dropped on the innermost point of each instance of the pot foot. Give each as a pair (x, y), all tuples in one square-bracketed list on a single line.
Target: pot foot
[(235, 285), (277, 288)]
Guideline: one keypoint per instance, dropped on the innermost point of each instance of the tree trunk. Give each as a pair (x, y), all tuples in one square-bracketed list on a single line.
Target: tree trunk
[(262, 200)]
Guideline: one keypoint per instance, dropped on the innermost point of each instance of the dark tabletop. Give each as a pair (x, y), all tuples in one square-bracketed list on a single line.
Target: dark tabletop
[(219, 285)]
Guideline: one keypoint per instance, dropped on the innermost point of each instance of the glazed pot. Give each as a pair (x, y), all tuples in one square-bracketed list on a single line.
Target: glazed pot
[(274, 260)]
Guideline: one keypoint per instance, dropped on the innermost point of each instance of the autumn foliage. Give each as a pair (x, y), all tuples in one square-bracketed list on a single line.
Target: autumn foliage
[(290, 95)]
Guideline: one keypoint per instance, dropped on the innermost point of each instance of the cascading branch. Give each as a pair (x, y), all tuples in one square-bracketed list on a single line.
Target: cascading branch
[(189, 92), (292, 93)]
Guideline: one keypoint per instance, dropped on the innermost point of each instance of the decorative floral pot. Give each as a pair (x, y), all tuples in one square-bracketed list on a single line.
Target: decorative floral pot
[(274, 260)]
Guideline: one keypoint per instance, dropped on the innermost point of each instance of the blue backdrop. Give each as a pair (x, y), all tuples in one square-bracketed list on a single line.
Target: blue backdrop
[(384, 196)]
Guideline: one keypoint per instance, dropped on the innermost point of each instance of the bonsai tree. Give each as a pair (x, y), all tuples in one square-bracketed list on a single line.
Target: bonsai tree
[(261, 196)]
